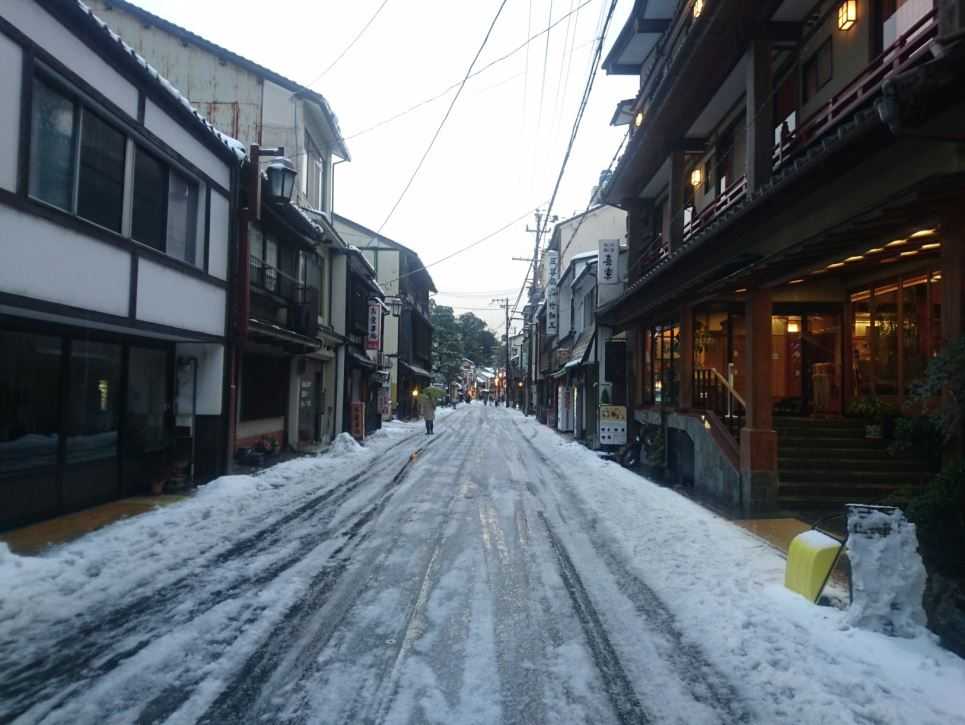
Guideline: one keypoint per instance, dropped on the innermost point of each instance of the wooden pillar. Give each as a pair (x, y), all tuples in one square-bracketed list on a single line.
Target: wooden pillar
[(676, 199), (686, 345), (759, 111), (953, 300), (758, 441)]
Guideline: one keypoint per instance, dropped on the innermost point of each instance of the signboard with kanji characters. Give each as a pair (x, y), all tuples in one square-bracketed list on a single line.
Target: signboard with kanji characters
[(607, 267), (552, 293), (375, 326), (613, 425)]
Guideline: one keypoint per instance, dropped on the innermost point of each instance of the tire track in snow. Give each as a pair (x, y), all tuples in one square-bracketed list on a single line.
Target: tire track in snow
[(704, 681), (623, 697), (309, 624), (87, 649)]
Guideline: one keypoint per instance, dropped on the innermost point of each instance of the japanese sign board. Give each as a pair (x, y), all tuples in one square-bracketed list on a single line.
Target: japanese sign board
[(358, 420), (607, 267), (375, 326), (552, 293), (613, 425)]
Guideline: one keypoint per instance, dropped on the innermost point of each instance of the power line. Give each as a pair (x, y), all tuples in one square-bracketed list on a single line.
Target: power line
[(348, 47), (598, 51), (445, 118), (463, 249), (443, 93)]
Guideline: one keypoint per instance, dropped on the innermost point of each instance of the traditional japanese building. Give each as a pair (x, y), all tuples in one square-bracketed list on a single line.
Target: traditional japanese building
[(793, 182), (116, 202)]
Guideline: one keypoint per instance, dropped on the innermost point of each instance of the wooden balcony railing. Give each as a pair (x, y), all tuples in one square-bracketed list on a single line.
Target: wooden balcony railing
[(731, 197), (299, 304), (714, 392), (893, 60)]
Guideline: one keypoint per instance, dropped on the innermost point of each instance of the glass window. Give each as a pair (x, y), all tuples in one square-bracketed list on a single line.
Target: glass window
[(150, 192), (914, 337), (91, 471), (100, 190), (271, 264), (29, 425), (885, 339), (182, 221), (53, 130), (863, 379)]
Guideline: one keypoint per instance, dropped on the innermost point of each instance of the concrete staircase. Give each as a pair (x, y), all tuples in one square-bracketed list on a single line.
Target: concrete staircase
[(824, 463)]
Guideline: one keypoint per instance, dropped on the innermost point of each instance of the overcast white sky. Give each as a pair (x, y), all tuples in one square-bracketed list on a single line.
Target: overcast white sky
[(501, 149)]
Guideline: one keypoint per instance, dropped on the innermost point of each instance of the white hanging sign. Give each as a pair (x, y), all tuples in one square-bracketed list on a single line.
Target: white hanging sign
[(552, 293), (607, 265), (375, 326)]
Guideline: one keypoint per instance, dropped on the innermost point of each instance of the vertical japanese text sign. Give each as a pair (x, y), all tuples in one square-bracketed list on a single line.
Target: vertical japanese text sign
[(606, 268), (552, 294), (375, 326)]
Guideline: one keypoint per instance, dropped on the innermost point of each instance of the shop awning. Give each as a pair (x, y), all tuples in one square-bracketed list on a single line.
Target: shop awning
[(415, 370), (361, 360), (288, 339)]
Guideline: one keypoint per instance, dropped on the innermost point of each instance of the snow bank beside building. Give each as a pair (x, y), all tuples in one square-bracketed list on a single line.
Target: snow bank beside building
[(793, 661)]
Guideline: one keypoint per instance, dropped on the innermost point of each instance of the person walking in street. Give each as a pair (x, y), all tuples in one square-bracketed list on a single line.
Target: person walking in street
[(427, 406)]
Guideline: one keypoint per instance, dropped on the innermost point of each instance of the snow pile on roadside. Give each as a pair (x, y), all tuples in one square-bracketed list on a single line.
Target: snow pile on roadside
[(150, 550), (345, 445), (888, 574), (791, 660)]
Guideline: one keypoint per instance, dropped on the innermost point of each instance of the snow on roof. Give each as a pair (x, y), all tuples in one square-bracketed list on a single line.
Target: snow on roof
[(233, 144), (260, 70)]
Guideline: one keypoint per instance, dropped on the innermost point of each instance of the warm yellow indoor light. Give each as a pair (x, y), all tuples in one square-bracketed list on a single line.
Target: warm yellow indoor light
[(835, 265), (741, 290), (847, 14), (931, 245), (698, 8), (897, 243), (696, 177), (856, 258), (875, 250), (793, 327), (924, 233), (638, 119), (796, 281), (909, 253)]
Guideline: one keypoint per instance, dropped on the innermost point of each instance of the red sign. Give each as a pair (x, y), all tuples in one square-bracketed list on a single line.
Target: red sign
[(375, 326)]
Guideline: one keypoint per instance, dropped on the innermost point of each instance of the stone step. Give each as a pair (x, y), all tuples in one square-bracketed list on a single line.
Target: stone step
[(811, 454), (854, 477), (784, 423), (824, 440), (824, 460)]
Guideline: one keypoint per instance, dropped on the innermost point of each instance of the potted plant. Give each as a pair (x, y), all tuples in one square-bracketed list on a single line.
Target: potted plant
[(871, 410)]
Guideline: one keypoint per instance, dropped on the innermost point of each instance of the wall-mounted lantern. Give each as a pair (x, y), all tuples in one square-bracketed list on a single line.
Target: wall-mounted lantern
[(698, 8), (281, 179), (395, 305), (847, 14), (638, 119), (696, 177)]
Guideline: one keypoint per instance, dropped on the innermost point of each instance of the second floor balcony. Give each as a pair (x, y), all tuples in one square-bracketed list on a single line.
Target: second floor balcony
[(280, 299)]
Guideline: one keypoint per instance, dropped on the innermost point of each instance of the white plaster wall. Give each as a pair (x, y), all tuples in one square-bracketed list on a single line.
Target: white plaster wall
[(47, 262), (167, 297), (210, 374), (279, 126), (11, 60), (181, 140), (35, 23), (605, 222), (218, 237)]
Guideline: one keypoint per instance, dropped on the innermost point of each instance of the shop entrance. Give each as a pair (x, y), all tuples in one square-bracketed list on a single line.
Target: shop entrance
[(806, 365)]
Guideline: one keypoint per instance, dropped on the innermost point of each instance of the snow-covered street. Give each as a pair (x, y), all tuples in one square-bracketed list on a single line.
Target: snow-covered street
[(491, 573)]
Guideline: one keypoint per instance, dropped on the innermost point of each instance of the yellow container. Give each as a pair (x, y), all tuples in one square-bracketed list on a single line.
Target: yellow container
[(809, 561)]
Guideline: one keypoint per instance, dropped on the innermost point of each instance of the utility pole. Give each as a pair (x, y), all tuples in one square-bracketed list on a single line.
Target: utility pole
[(504, 303)]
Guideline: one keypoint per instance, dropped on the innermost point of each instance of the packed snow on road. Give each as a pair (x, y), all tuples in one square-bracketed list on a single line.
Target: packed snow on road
[(490, 573)]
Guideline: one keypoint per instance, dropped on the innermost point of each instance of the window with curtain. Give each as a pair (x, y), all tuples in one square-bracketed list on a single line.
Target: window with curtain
[(58, 125), (53, 130), (182, 221)]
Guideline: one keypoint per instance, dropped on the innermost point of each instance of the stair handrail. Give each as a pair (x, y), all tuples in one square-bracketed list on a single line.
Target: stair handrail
[(728, 384)]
